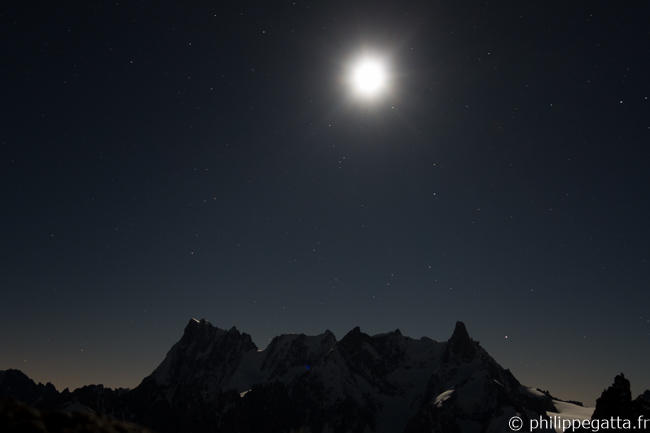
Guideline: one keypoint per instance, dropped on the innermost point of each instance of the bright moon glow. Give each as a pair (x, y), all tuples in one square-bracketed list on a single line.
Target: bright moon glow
[(369, 77)]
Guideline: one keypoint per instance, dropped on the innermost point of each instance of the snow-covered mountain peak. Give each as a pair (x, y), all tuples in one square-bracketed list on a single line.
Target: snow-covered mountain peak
[(217, 381), (191, 361), (290, 354)]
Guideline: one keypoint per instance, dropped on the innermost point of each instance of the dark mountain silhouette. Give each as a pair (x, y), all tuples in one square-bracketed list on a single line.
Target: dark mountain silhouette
[(214, 380), (615, 406)]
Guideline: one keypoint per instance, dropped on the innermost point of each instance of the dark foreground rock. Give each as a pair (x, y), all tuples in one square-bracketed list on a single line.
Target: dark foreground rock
[(615, 409), (16, 417)]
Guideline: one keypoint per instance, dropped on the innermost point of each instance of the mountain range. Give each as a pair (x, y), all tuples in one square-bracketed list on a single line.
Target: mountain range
[(214, 380)]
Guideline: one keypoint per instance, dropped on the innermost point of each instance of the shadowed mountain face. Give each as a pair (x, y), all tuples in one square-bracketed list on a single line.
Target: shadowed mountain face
[(215, 381), (616, 401), (615, 409)]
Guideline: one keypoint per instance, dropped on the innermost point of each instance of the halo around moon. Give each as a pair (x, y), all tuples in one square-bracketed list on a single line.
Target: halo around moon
[(369, 77)]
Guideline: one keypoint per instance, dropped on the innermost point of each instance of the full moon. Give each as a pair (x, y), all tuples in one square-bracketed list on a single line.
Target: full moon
[(369, 77)]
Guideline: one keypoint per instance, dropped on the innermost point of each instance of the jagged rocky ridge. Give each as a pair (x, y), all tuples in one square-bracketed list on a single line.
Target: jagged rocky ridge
[(214, 380), (616, 403), (385, 383)]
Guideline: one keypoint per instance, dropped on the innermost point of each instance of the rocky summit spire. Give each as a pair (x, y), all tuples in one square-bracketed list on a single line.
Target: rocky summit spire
[(206, 356), (460, 332), (615, 400), (460, 346), (195, 326)]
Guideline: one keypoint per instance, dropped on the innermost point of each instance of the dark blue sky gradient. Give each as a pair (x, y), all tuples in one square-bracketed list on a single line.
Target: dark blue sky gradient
[(163, 160)]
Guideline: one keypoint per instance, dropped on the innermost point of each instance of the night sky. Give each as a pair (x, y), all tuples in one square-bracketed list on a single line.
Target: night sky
[(164, 160)]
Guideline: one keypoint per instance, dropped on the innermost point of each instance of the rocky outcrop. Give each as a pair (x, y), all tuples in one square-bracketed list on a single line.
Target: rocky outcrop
[(641, 405), (616, 409), (460, 347)]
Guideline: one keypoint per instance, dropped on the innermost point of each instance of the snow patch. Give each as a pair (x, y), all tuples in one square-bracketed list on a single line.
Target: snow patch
[(442, 397), (532, 392), (569, 411), (77, 407)]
